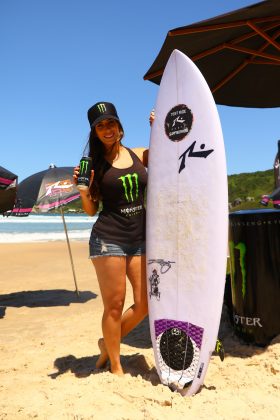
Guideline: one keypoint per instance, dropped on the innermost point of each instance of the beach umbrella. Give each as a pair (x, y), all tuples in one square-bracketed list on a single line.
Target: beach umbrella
[(238, 54), (47, 190), (8, 185)]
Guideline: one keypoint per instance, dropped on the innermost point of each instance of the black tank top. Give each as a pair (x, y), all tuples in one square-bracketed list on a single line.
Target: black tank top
[(122, 220)]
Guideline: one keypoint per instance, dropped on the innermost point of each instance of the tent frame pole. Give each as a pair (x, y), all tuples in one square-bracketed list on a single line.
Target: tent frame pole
[(69, 250)]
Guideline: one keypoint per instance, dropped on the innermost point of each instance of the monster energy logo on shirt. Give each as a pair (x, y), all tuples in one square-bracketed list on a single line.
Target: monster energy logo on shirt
[(101, 107), (130, 185)]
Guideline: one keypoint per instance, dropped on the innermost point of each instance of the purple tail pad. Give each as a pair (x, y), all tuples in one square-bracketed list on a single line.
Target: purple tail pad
[(193, 331)]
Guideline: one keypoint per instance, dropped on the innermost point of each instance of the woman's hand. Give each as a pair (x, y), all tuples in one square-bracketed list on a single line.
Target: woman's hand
[(76, 174), (89, 205), (152, 116)]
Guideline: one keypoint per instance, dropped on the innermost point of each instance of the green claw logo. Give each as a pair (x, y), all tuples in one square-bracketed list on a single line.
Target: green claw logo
[(129, 186), (241, 248), (101, 108), (220, 349), (83, 166)]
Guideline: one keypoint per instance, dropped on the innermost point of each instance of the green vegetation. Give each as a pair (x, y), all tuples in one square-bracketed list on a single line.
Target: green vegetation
[(74, 206), (248, 187)]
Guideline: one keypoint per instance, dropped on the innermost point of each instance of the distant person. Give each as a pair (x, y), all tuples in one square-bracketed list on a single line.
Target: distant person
[(117, 240), (275, 195)]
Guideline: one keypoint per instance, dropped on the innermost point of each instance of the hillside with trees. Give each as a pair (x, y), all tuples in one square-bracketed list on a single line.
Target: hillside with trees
[(245, 191)]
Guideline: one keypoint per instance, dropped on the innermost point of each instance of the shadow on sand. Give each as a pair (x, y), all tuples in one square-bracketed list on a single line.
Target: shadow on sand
[(134, 364), (43, 298), (139, 337), (83, 367)]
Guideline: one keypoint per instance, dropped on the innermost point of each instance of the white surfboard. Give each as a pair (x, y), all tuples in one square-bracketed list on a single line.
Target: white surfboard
[(187, 219)]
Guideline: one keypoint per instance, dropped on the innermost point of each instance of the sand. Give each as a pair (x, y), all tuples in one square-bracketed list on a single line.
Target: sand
[(48, 350)]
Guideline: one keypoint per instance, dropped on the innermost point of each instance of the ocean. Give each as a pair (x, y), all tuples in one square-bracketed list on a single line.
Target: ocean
[(45, 228)]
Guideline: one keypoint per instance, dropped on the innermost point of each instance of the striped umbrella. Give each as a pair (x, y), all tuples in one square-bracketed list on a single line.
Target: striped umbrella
[(8, 184), (47, 190)]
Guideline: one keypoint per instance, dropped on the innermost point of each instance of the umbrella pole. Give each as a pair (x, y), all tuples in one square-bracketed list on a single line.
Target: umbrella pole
[(69, 249)]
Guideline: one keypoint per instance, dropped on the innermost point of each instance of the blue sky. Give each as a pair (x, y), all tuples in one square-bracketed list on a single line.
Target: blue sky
[(59, 57)]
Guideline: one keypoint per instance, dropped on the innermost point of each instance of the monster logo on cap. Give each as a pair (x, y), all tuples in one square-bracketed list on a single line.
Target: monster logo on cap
[(101, 108), (101, 111)]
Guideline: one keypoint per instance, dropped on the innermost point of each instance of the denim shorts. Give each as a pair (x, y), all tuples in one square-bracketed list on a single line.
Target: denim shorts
[(99, 248)]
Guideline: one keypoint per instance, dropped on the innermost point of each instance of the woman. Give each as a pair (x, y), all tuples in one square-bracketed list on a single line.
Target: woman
[(117, 241)]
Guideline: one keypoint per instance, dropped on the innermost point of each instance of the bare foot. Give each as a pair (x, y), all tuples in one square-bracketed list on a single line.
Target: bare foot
[(103, 358), (117, 371)]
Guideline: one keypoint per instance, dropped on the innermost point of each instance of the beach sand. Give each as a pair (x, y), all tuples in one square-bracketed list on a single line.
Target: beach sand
[(48, 350)]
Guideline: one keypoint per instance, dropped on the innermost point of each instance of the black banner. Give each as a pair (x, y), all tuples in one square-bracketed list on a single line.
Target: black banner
[(254, 244)]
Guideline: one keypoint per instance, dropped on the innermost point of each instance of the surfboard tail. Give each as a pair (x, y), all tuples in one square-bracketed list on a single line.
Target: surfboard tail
[(178, 346)]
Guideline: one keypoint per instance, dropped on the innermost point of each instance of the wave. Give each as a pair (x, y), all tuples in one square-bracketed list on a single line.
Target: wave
[(47, 219), (20, 237), (44, 228)]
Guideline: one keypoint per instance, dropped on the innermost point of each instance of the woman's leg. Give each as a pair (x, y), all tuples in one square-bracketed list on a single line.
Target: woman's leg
[(136, 273), (111, 274)]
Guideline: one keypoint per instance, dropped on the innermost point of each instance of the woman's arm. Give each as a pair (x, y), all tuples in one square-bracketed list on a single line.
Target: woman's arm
[(142, 154), (89, 206)]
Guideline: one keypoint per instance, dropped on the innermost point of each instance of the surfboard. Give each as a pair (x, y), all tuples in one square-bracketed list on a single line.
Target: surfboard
[(187, 226)]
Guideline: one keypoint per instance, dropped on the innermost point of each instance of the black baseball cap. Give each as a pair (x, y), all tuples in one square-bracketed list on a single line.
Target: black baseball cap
[(102, 111)]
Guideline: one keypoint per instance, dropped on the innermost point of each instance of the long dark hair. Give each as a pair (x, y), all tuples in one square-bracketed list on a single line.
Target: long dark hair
[(99, 163)]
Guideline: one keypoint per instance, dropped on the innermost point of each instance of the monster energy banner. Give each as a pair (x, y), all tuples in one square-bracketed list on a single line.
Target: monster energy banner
[(254, 244)]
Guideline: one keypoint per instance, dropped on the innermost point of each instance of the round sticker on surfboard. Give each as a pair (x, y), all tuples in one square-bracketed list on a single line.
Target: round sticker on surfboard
[(178, 122)]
